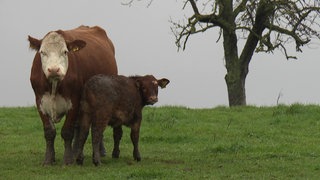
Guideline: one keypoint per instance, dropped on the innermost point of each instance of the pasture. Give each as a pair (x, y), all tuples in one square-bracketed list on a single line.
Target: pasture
[(281, 142)]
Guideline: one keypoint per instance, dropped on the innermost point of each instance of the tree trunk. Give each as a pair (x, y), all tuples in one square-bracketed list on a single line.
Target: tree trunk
[(235, 80)]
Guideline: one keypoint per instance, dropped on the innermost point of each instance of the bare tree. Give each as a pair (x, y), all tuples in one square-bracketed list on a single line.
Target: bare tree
[(263, 25)]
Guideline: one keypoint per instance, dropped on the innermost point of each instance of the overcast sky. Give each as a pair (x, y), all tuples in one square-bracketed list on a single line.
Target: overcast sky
[(145, 45)]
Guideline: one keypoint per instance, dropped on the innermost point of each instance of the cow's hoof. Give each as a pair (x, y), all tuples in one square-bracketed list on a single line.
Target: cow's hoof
[(79, 161), (68, 162), (48, 162)]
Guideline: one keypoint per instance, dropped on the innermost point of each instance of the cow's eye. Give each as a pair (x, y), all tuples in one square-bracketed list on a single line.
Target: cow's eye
[(65, 52), (43, 53)]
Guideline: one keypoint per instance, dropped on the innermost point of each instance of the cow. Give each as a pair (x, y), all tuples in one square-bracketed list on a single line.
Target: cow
[(115, 101), (63, 62)]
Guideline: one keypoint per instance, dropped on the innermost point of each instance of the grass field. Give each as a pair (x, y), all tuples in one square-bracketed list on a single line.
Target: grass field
[(281, 142)]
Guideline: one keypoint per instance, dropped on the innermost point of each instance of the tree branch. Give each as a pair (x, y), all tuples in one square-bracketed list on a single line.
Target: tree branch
[(194, 7), (298, 40), (241, 7)]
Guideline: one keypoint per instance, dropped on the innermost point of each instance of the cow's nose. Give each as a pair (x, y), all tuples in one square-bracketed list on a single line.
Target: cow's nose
[(53, 70)]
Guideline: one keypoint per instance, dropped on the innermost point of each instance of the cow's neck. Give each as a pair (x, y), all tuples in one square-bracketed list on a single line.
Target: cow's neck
[(54, 84)]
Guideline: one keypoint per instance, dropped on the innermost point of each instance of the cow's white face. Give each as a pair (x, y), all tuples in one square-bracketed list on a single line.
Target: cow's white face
[(54, 56), (54, 49)]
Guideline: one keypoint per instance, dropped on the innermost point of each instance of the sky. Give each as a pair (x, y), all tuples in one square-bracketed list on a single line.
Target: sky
[(145, 44)]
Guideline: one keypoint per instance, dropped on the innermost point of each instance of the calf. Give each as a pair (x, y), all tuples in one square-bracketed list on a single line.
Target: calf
[(115, 101)]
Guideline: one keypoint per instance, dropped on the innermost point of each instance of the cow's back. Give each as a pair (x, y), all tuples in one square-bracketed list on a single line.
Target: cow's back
[(97, 57)]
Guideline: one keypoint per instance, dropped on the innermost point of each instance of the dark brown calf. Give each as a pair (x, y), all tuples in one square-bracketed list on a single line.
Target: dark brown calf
[(115, 101)]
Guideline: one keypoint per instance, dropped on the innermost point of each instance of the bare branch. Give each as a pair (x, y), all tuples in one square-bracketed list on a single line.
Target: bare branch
[(241, 7), (194, 7), (130, 2), (285, 52)]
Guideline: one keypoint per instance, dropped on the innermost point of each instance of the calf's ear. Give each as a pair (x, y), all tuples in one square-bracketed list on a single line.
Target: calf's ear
[(138, 83), (163, 82), (34, 43), (76, 45)]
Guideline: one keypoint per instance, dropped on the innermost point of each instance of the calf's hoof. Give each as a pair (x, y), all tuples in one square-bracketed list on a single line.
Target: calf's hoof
[(136, 156), (115, 154), (96, 162)]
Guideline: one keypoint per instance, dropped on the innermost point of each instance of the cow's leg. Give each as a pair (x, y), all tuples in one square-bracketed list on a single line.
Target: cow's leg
[(75, 146), (67, 134), (117, 134), (135, 128), (84, 127), (50, 135)]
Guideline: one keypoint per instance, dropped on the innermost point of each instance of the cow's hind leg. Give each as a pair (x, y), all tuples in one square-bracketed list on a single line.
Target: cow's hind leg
[(117, 134)]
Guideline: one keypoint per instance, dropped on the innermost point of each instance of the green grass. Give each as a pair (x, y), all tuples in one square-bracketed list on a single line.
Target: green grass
[(281, 142)]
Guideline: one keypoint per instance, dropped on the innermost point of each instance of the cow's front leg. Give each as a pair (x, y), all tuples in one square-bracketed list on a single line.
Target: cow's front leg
[(49, 134), (67, 134)]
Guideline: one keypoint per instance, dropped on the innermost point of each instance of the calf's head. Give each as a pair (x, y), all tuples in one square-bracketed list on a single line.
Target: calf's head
[(148, 87), (54, 49)]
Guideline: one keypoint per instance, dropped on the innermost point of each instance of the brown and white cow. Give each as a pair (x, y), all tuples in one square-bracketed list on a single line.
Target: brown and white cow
[(115, 101), (64, 61)]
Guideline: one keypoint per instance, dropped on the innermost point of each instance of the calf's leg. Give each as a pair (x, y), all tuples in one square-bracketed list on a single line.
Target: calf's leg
[(117, 135), (135, 141), (97, 134)]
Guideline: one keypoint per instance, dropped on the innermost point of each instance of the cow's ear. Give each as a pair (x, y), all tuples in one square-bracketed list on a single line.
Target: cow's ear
[(35, 44), (163, 82), (76, 45)]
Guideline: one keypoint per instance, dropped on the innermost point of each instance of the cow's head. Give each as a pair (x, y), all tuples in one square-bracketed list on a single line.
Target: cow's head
[(148, 86), (54, 51)]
